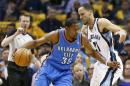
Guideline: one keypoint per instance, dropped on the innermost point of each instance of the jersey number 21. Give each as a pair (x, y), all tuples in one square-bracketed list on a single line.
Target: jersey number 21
[(96, 46)]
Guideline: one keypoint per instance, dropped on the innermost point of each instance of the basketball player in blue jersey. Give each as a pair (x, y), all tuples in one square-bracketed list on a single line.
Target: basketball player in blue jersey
[(66, 45), (99, 33)]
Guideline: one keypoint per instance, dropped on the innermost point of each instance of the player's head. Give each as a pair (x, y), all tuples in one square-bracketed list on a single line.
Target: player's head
[(72, 27), (25, 21), (85, 12)]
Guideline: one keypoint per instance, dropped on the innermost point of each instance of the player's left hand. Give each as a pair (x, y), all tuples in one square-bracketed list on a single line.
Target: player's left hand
[(122, 35), (113, 64)]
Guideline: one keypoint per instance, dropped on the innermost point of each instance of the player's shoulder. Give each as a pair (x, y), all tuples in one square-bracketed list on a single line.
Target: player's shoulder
[(103, 20), (103, 23), (54, 36)]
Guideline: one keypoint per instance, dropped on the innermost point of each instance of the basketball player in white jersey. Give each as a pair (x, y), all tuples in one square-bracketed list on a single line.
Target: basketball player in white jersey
[(18, 76), (99, 33)]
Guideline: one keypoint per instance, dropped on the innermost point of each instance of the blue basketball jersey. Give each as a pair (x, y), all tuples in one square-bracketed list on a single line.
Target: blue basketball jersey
[(64, 53)]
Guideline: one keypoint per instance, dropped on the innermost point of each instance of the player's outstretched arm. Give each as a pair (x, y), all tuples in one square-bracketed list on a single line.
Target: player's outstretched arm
[(97, 55), (106, 24), (50, 37)]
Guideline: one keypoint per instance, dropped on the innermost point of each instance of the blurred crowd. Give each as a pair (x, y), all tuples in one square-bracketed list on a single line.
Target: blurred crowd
[(49, 15)]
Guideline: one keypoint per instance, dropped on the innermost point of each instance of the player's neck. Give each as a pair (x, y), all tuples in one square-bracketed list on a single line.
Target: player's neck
[(68, 37), (91, 23)]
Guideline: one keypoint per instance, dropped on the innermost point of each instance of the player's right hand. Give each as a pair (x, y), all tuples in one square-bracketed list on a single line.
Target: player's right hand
[(113, 64)]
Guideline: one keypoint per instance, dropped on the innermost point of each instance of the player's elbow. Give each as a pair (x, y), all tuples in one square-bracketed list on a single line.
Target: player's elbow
[(94, 54), (31, 44), (34, 43), (91, 53)]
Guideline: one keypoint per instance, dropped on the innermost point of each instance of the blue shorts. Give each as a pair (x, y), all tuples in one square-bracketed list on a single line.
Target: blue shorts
[(48, 74)]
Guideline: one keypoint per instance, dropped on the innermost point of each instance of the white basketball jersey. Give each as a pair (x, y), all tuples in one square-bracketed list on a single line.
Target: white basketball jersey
[(17, 43), (101, 42)]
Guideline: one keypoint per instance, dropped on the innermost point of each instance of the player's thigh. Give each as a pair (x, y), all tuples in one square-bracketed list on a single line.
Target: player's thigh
[(65, 80), (41, 80)]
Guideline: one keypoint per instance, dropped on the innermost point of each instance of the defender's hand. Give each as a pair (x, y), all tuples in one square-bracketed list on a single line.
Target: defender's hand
[(113, 64)]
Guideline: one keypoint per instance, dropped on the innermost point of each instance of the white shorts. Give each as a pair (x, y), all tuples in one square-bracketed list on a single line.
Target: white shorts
[(104, 76)]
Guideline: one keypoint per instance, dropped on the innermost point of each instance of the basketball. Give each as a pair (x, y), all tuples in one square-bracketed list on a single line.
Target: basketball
[(22, 57)]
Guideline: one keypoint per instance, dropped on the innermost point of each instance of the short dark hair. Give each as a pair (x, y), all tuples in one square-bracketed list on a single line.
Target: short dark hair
[(87, 6), (26, 15), (70, 21)]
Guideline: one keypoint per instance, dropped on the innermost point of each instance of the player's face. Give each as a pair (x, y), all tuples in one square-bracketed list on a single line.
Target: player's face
[(84, 15), (25, 22), (73, 30)]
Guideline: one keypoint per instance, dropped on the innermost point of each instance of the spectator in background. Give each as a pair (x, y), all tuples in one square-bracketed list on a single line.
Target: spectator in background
[(83, 59), (59, 5), (4, 55), (2, 35), (74, 4), (33, 5), (127, 28), (127, 46), (12, 12), (43, 51), (116, 3), (3, 81), (3, 4), (125, 81), (123, 14), (50, 23), (108, 11), (3, 66), (124, 55), (74, 15), (90, 71), (79, 76)]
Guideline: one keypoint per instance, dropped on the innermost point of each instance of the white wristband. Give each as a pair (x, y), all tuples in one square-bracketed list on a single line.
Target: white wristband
[(122, 33)]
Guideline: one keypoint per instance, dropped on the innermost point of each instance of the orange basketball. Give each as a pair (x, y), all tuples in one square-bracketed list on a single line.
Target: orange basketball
[(22, 57)]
